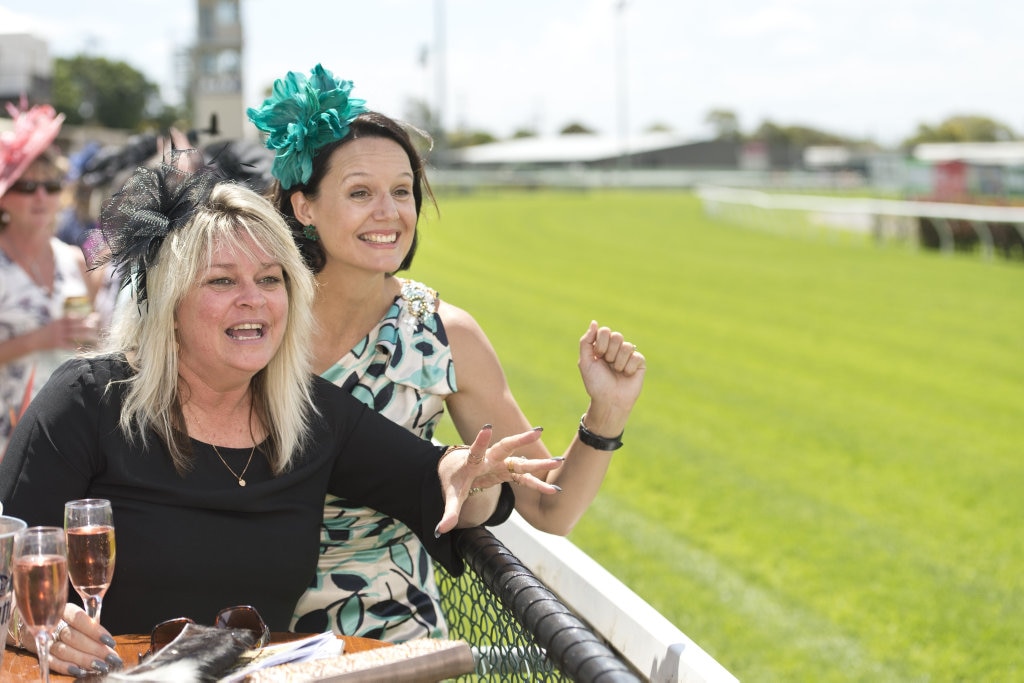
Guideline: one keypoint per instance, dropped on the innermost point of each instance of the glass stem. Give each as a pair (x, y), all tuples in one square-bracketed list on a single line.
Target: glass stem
[(92, 607), (43, 652)]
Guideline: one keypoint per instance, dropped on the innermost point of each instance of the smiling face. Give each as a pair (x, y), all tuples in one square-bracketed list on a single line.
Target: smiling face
[(232, 321), (365, 211)]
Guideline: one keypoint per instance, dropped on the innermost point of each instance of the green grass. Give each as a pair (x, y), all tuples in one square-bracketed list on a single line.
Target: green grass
[(822, 480)]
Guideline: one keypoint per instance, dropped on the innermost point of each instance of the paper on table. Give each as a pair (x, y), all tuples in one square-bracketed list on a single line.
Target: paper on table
[(423, 659), (302, 650)]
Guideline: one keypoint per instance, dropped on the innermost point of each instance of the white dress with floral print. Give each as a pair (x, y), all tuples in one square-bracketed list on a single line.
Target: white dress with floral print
[(25, 306), (374, 578)]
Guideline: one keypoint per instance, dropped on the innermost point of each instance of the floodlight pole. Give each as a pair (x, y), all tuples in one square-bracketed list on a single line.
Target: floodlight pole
[(439, 81), (620, 8)]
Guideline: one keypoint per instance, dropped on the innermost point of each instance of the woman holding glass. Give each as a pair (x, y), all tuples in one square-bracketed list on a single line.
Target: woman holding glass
[(205, 428), (38, 272)]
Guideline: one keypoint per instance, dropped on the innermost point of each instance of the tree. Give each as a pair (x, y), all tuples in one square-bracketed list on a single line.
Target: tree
[(658, 127), (575, 128), (524, 133), (962, 128), (797, 136), (469, 138), (102, 92), (725, 123)]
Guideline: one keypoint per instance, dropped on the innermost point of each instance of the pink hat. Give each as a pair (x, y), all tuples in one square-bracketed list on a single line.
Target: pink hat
[(34, 131)]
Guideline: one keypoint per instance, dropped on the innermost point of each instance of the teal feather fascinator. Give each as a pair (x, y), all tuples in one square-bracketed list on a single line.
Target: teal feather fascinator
[(301, 116)]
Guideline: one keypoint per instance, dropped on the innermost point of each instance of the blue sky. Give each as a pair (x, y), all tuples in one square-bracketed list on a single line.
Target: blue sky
[(869, 68)]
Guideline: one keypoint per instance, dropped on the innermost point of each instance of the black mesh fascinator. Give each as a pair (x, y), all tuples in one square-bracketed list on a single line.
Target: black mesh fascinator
[(152, 203)]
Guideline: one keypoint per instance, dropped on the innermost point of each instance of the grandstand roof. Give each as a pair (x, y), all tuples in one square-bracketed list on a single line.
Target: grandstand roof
[(578, 148), (988, 153)]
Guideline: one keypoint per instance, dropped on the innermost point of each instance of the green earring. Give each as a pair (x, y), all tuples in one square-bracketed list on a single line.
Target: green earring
[(309, 232)]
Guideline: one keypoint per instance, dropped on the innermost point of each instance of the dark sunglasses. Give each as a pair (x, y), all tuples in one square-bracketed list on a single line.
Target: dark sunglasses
[(30, 186), (241, 617)]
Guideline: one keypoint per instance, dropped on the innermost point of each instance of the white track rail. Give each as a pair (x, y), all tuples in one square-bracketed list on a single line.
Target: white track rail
[(644, 638)]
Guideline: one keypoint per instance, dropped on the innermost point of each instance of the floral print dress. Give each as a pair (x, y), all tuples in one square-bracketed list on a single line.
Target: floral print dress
[(24, 307), (374, 579)]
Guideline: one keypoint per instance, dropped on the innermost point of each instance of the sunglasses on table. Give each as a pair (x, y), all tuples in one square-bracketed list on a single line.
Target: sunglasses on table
[(241, 617), (30, 186)]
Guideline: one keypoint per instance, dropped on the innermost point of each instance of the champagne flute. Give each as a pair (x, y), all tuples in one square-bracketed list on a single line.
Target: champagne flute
[(41, 585), (89, 524)]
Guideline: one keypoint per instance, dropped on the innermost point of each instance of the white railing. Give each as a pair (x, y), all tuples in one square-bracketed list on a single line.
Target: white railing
[(867, 214), (644, 638)]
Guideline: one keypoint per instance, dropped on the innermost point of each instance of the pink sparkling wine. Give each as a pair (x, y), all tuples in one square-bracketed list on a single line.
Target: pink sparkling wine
[(91, 554), (41, 588)]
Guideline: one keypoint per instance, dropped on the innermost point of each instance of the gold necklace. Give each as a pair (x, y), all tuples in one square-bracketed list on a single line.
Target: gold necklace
[(241, 482)]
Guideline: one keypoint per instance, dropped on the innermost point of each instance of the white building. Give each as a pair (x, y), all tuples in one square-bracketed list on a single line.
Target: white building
[(25, 68)]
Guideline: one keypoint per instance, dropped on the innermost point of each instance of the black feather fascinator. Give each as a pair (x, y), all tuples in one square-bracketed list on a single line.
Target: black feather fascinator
[(152, 203)]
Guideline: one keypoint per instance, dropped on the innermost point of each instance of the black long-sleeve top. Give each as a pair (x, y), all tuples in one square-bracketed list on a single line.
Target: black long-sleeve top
[(191, 545)]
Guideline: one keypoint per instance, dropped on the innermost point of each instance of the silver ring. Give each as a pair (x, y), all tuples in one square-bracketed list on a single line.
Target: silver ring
[(61, 627)]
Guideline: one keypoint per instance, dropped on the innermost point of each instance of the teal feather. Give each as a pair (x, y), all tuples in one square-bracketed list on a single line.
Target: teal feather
[(302, 115)]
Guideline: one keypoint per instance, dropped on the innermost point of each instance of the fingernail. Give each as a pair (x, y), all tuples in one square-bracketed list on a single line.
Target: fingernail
[(115, 661), (538, 429), (76, 672), (437, 531), (559, 458), (557, 487), (108, 640), (488, 426), (102, 667)]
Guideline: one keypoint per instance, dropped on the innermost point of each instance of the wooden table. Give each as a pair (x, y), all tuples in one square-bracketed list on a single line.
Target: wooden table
[(23, 666)]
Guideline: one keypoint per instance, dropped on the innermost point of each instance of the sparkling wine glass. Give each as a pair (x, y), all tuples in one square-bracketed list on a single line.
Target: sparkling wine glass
[(41, 585), (89, 524)]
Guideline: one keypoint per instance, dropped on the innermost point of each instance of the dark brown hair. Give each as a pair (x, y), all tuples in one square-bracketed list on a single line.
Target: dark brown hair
[(369, 125)]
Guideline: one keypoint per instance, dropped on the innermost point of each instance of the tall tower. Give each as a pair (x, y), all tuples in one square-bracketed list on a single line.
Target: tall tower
[(217, 69)]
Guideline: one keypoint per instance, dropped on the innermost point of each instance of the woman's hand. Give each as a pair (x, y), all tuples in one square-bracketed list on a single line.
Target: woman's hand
[(477, 467), (70, 332), (613, 375), (81, 646), (611, 367)]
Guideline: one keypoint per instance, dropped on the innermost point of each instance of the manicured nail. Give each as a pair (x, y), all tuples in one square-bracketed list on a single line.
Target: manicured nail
[(114, 661), (76, 672), (108, 640), (538, 429), (488, 426), (437, 531), (559, 458), (102, 667), (557, 487)]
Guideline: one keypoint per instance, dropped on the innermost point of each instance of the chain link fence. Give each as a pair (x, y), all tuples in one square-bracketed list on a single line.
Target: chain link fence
[(518, 629)]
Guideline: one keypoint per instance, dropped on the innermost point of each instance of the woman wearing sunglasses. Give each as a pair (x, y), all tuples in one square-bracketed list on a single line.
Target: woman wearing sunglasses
[(38, 272), (205, 427)]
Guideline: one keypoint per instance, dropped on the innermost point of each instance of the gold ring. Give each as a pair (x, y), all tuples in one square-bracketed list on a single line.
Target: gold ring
[(511, 464), (474, 460)]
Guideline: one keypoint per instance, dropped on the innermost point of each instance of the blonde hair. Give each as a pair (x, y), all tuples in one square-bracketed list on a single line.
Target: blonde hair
[(281, 392)]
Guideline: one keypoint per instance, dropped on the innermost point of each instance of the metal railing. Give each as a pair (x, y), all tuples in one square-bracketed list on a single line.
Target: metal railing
[(534, 607), (517, 627)]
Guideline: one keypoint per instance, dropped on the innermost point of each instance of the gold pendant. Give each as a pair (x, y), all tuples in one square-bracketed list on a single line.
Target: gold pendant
[(241, 482)]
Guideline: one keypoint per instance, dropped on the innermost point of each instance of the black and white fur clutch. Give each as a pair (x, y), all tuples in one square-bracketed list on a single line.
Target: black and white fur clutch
[(199, 654)]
